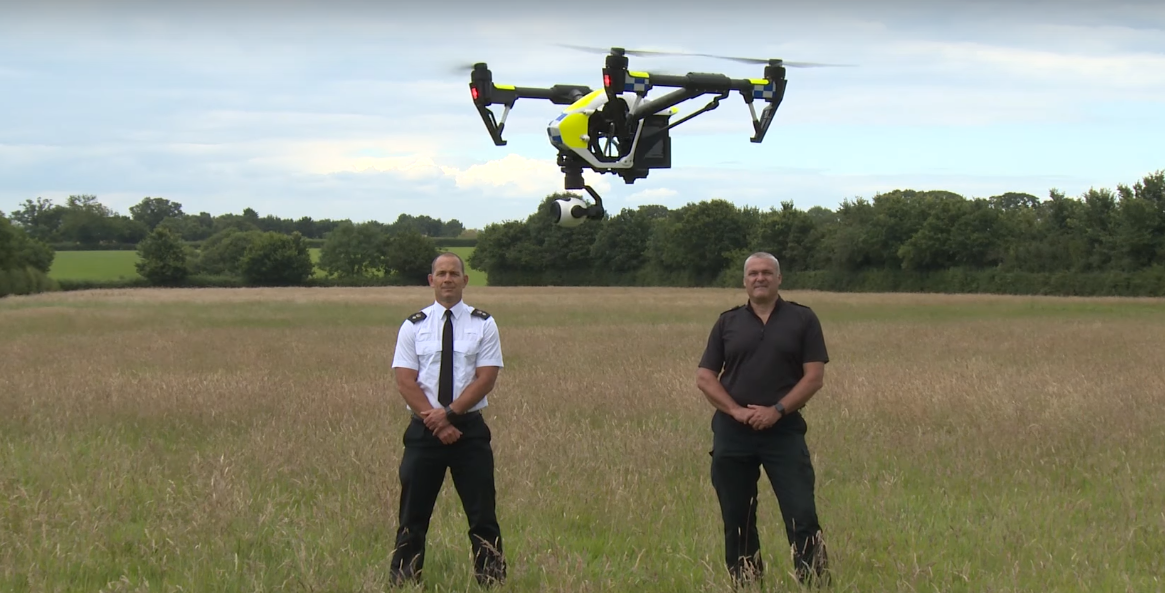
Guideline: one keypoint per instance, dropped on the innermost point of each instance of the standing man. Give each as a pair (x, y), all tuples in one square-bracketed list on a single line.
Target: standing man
[(447, 359), (772, 354)]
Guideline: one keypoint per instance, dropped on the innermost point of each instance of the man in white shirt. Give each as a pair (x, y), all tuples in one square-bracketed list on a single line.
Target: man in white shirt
[(446, 361)]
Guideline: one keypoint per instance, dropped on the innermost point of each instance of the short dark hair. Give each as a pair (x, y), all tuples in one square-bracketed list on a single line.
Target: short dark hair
[(433, 267)]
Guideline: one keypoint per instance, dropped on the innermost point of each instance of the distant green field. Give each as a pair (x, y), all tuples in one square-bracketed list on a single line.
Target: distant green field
[(94, 265), (476, 278), (114, 265)]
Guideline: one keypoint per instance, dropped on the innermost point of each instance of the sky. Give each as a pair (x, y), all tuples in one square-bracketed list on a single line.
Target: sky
[(361, 110)]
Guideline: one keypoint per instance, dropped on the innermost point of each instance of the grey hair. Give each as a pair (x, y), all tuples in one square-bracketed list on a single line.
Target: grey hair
[(433, 268), (762, 255)]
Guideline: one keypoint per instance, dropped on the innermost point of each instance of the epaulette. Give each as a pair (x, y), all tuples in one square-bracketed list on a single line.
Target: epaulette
[(796, 304), (417, 317), (480, 313), (732, 309)]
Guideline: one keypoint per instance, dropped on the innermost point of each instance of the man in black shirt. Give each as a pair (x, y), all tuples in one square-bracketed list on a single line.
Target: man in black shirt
[(772, 355)]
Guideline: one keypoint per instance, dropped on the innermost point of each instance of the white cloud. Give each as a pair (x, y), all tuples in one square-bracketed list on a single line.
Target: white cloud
[(512, 176)]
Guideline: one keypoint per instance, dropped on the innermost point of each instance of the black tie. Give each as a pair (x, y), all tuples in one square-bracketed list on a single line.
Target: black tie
[(445, 393)]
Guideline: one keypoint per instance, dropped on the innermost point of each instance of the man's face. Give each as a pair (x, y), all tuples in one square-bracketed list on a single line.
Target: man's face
[(447, 280), (761, 279)]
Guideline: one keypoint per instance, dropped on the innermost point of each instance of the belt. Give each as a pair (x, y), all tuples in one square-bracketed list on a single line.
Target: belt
[(460, 417)]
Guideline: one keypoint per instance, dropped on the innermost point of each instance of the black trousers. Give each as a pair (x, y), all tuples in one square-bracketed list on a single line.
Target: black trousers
[(470, 461), (738, 454)]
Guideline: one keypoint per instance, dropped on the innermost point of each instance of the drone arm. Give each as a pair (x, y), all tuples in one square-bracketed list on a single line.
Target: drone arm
[(694, 84), (559, 94), (507, 95), (713, 104), (665, 102)]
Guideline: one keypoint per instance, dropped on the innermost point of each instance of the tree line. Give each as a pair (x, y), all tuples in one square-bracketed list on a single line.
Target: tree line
[(177, 249), (84, 223), (1104, 242), (352, 255)]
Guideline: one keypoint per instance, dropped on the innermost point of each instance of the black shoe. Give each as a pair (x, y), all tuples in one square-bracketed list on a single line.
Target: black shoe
[(399, 577), (491, 574), (747, 572), (813, 570)]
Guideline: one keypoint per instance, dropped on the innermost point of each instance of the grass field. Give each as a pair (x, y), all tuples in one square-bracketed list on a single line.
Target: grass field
[(214, 440), (112, 265)]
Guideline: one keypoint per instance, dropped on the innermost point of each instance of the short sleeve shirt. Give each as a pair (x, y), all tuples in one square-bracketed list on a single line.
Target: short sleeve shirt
[(758, 363), (476, 343)]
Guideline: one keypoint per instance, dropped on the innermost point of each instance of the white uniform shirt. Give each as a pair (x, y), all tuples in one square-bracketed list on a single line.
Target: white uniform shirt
[(475, 344)]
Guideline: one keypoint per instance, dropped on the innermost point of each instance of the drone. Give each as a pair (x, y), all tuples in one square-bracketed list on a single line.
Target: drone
[(616, 129)]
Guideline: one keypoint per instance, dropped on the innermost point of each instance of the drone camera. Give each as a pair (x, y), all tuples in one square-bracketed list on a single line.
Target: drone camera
[(569, 213)]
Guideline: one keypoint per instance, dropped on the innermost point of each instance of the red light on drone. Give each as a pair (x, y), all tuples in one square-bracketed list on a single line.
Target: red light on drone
[(606, 80), (473, 91)]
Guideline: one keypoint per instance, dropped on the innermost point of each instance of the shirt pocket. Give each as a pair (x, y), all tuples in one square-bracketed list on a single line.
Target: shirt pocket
[(429, 349), (468, 344)]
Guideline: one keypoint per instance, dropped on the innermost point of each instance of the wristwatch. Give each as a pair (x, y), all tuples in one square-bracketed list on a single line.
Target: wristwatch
[(780, 409), (449, 413)]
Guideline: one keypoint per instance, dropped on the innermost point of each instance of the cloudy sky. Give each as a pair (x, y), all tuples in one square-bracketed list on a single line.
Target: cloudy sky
[(356, 110)]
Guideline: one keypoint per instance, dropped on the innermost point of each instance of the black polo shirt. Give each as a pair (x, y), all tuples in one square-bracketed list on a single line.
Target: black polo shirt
[(761, 362)]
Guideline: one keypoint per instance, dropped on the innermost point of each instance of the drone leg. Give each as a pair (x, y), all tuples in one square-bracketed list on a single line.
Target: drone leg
[(595, 212)]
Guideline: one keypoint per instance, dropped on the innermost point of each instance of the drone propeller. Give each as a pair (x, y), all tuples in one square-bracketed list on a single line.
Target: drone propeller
[(650, 53), (460, 68)]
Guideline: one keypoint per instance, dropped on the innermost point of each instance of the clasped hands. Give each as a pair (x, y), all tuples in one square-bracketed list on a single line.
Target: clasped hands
[(758, 417), (436, 421)]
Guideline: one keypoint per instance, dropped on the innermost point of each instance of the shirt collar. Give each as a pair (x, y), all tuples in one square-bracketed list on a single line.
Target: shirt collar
[(776, 305), (459, 310)]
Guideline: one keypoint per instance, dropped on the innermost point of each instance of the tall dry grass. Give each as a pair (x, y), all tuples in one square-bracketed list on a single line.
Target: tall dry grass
[(210, 440)]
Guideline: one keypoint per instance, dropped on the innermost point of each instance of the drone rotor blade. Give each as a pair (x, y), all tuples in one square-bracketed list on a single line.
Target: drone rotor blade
[(592, 50), (814, 65), (459, 68), (654, 53)]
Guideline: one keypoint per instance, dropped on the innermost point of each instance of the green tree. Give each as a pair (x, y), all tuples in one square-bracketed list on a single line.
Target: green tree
[(620, 245), (222, 253), (410, 256), (275, 259), (708, 235), (790, 235), (24, 261), (164, 258), (40, 219), (453, 228), (503, 247), (354, 251), (152, 211)]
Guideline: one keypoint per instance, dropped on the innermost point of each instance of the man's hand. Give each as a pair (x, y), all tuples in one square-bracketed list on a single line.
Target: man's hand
[(763, 416), (448, 434), (435, 419), (744, 415)]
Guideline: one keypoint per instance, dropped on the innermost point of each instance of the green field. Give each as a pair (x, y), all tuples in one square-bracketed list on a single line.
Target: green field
[(114, 265), (248, 440)]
